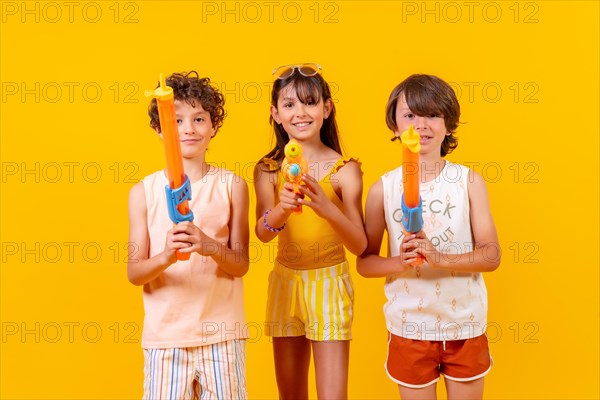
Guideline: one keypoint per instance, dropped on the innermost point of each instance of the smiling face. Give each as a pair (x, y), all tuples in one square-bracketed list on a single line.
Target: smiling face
[(195, 128), (301, 120), (431, 128)]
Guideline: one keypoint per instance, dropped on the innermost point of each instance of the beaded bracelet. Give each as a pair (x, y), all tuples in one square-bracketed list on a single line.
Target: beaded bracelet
[(269, 227)]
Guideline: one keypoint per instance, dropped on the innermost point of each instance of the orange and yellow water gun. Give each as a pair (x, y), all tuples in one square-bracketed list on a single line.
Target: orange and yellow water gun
[(178, 190), (293, 167), (412, 205)]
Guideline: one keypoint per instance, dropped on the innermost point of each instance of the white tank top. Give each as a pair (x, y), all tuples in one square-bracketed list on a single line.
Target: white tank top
[(425, 303)]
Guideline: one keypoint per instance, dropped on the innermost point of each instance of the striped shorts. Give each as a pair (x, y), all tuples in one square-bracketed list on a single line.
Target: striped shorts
[(315, 303), (216, 371)]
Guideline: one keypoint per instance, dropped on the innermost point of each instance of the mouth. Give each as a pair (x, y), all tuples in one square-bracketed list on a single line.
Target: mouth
[(302, 124), (425, 139), (190, 141)]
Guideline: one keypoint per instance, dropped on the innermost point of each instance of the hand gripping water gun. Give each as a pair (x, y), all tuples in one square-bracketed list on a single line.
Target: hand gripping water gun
[(412, 206), (178, 190), (293, 166)]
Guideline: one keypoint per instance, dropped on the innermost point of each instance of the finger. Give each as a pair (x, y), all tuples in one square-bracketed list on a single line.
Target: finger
[(188, 249), (181, 237), (410, 244), (308, 192), (421, 235), (288, 186), (410, 261), (179, 245), (304, 202), (181, 228), (408, 237), (311, 183), (309, 180)]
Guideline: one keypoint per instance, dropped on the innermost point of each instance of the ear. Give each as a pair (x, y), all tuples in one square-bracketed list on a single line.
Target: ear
[(327, 108), (214, 130), (275, 114)]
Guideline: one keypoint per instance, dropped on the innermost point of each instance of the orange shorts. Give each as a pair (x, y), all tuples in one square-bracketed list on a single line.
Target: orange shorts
[(419, 363)]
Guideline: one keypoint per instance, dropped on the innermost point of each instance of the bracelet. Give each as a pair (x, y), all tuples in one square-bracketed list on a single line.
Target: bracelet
[(269, 227)]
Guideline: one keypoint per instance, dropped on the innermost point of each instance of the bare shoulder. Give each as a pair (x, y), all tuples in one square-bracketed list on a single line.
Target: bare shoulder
[(137, 204), (376, 189), (239, 186), (137, 195), (350, 170), (264, 173), (476, 183)]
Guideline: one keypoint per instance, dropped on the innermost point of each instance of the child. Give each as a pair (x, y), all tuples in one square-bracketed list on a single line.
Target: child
[(310, 289), (436, 312), (193, 335)]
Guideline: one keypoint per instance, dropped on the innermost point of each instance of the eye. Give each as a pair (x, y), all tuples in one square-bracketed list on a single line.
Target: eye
[(288, 104), (409, 115), (199, 119), (179, 120)]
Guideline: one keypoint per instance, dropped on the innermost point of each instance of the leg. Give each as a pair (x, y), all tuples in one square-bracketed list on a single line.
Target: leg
[(426, 393), (331, 368), (222, 370), (292, 359), (168, 373), (471, 390)]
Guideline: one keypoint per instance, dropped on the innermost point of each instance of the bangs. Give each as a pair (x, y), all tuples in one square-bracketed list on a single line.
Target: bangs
[(307, 88), (423, 101)]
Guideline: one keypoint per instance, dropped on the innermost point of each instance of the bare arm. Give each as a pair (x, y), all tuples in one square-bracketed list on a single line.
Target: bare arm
[(140, 268), (486, 254), (347, 223), (265, 184), (370, 264)]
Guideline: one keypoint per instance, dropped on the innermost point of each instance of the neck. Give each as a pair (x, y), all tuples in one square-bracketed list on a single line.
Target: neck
[(195, 168), (431, 166), (313, 149)]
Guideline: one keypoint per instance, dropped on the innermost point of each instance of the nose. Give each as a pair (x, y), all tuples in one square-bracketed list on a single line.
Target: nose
[(300, 108), (186, 127), (420, 123)]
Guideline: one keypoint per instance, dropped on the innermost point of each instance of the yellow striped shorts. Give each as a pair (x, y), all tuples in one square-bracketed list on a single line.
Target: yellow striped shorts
[(315, 303)]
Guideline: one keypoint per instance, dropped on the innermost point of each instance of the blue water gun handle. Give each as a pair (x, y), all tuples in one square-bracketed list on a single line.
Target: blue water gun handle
[(177, 196), (412, 218)]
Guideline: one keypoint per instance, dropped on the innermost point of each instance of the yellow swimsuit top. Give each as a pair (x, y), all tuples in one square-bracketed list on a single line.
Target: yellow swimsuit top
[(308, 241)]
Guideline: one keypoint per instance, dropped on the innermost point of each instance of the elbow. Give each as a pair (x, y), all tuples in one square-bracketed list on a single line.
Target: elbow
[(360, 247), (261, 235), (494, 264), (242, 270), (361, 266), (135, 280)]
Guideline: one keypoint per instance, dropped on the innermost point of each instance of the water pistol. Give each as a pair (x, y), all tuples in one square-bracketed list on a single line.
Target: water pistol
[(293, 166), (412, 205), (178, 190)]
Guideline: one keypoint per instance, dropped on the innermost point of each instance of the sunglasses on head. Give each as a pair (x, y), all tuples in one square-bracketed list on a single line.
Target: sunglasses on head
[(285, 71)]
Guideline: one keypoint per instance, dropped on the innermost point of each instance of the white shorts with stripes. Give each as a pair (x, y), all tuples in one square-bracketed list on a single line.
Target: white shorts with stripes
[(216, 371)]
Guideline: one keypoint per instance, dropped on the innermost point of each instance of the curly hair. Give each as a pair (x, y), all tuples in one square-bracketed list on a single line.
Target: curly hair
[(425, 95), (189, 87)]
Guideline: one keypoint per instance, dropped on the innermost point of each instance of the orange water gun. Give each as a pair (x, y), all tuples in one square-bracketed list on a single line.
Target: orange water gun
[(412, 205), (178, 190), (293, 167)]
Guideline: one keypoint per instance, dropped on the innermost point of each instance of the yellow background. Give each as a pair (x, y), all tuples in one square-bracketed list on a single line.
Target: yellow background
[(75, 138)]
